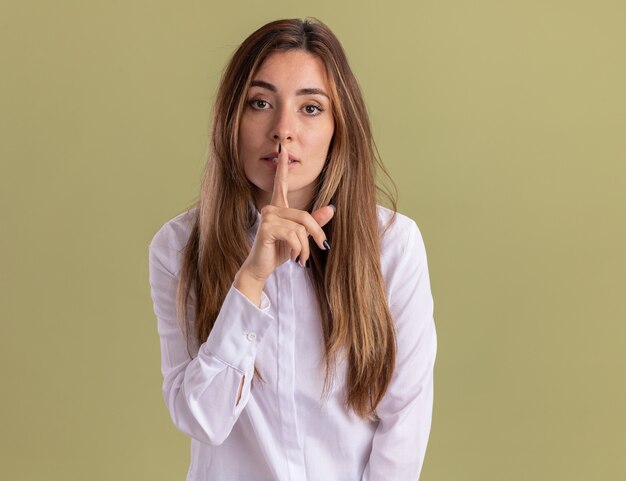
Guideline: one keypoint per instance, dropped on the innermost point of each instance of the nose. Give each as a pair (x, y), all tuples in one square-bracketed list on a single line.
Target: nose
[(283, 127)]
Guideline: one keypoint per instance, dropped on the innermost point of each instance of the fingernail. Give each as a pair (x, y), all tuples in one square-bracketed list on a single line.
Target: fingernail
[(333, 207), (326, 245), (280, 147)]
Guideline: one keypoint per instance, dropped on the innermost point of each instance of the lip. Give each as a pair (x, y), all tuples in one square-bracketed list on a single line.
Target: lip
[(272, 165), (274, 154)]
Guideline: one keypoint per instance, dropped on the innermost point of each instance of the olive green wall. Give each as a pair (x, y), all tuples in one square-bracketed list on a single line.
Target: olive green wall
[(502, 123)]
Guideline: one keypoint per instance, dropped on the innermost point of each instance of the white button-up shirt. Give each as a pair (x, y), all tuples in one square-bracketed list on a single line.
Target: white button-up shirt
[(282, 429)]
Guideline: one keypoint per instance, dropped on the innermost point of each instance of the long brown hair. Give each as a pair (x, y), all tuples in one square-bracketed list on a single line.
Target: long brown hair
[(349, 286)]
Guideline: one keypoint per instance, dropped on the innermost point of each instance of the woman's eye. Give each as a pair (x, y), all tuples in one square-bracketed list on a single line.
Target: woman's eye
[(310, 109), (258, 103), (316, 109)]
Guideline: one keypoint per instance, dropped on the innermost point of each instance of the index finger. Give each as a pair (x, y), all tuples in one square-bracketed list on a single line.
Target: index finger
[(281, 184)]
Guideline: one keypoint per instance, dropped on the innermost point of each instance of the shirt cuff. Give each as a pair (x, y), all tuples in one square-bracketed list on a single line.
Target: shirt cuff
[(239, 326)]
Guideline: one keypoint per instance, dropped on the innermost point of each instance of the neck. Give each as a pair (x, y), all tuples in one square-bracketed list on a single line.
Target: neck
[(298, 199)]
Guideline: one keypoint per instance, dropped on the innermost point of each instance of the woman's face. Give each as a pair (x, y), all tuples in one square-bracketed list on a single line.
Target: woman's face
[(288, 101)]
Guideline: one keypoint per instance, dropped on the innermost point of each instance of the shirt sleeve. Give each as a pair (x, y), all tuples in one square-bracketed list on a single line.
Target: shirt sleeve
[(201, 392), (405, 412)]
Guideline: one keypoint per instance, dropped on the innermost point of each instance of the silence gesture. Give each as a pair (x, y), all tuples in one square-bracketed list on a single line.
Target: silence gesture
[(283, 232)]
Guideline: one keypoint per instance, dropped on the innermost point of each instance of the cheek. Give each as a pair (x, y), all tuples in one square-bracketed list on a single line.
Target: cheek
[(322, 136), (249, 130), (244, 133), (246, 146)]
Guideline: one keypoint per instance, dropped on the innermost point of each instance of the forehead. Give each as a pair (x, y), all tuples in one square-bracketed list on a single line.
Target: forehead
[(293, 68)]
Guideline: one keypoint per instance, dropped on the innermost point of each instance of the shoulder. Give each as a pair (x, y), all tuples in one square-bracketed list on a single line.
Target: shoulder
[(170, 240), (401, 239), (397, 230)]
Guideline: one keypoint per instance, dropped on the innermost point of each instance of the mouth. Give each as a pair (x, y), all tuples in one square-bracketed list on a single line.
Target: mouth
[(272, 163), (273, 157)]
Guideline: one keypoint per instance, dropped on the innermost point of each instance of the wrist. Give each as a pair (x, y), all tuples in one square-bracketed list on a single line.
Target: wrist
[(248, 276), (249, 285)]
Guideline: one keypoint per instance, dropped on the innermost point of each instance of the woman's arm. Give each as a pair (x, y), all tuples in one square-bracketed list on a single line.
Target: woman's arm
[(204, 395), (405, 412)]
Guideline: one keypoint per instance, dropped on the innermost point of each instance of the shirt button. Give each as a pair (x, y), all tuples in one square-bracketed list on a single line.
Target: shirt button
[(251, 336)]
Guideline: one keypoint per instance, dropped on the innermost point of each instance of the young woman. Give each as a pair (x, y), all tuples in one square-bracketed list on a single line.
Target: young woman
[(294, 312)]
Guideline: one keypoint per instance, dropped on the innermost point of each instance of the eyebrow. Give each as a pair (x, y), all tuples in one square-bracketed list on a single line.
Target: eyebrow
[(305, 91)]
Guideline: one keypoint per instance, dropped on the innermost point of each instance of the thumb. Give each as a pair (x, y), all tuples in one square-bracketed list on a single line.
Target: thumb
[(324, 214)]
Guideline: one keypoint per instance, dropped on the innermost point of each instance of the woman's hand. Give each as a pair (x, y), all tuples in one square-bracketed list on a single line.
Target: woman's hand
[(282, 234)]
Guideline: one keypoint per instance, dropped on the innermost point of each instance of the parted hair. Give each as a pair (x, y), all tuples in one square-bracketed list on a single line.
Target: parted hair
[(356, 322)]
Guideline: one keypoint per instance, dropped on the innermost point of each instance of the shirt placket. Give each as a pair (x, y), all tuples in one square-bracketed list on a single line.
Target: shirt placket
[(287, 372)]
